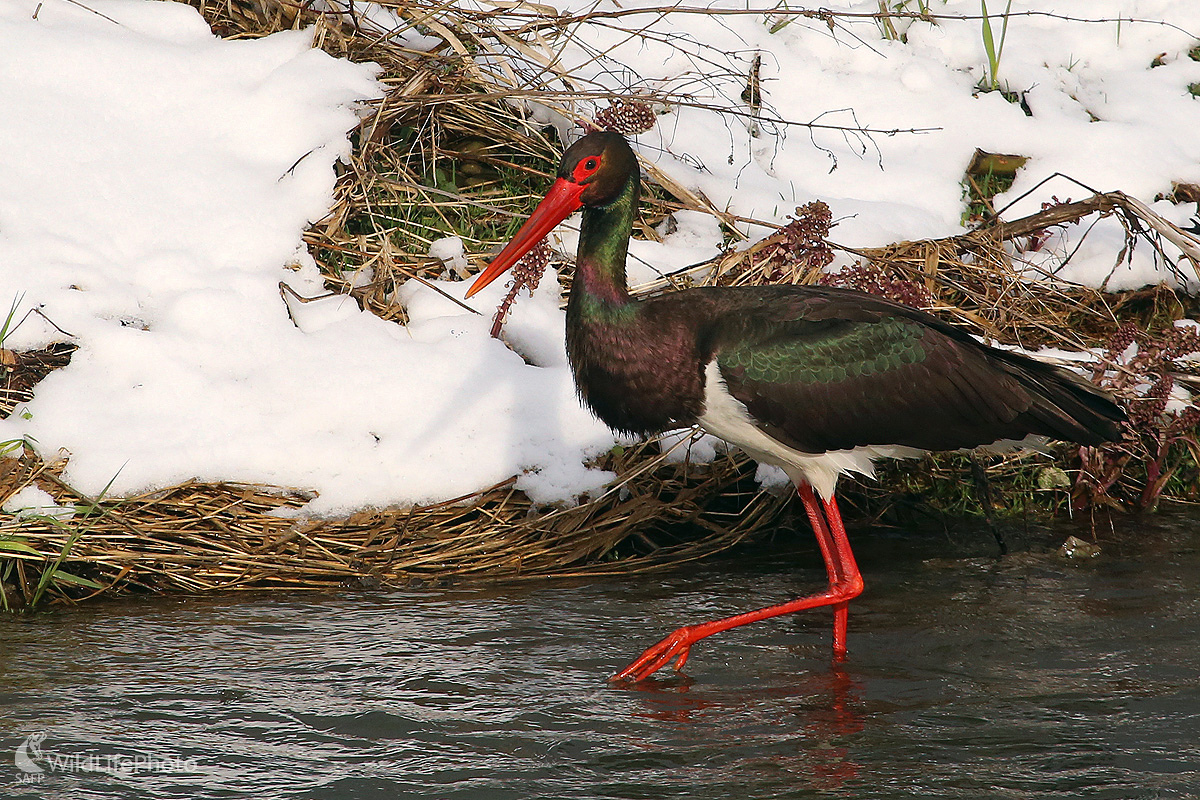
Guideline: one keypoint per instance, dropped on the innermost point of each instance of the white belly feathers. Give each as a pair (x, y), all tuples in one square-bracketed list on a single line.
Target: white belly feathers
[(726, 417)]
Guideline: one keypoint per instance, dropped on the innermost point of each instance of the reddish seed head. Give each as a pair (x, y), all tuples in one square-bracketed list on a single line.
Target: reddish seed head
[(627, 117), (528, 271), (526, 274), (1124, 336)]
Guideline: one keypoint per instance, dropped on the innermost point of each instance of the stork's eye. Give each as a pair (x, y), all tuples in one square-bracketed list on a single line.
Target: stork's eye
[(586, 168)]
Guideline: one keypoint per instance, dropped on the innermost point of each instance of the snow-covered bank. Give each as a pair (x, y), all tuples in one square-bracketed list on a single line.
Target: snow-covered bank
[(155, 182)]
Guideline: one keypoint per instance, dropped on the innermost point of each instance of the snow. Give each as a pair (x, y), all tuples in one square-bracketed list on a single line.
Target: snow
[(155, 182), (30, 501), (451, 252)]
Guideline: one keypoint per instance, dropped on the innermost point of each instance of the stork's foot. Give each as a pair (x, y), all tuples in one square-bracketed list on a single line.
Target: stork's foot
[(845, 583), (677, 645)]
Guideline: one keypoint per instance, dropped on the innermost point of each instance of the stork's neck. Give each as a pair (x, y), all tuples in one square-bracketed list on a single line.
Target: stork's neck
[(599, 286)]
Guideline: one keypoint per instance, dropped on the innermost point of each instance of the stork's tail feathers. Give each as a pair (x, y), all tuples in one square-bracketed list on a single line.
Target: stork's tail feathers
[(1066, 406)]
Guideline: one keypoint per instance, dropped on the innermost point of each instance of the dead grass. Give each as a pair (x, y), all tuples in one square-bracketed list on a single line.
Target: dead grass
[(198, 537), (21, 371)]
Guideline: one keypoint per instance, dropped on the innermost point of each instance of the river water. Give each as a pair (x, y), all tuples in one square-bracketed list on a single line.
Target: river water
[(969, 676)]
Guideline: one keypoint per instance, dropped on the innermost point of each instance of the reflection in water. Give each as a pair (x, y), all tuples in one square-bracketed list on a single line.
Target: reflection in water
[(1026, 676), (832, 765), (822, 704)]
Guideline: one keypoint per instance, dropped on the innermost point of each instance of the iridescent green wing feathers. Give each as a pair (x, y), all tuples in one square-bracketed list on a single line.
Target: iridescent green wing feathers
[(834, 384), (831, 356)]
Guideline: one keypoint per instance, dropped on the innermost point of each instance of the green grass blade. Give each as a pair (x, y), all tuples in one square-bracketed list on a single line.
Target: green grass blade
[(52, 573), (993, 50), (14, 546), (59, 576), (6, 328), (1003, 36), (989, 45)]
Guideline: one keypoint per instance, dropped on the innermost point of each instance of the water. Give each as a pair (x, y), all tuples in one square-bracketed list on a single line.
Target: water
[(969, 676)]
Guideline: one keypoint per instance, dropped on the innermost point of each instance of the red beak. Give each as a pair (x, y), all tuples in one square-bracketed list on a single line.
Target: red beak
[(559, 203)]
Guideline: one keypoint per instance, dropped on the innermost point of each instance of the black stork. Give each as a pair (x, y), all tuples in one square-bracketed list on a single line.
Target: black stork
[(819, 381)]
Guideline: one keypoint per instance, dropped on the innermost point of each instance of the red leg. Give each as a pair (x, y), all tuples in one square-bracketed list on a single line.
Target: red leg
[(822, 519), (851, 577), (845, 583), (820, 526)]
